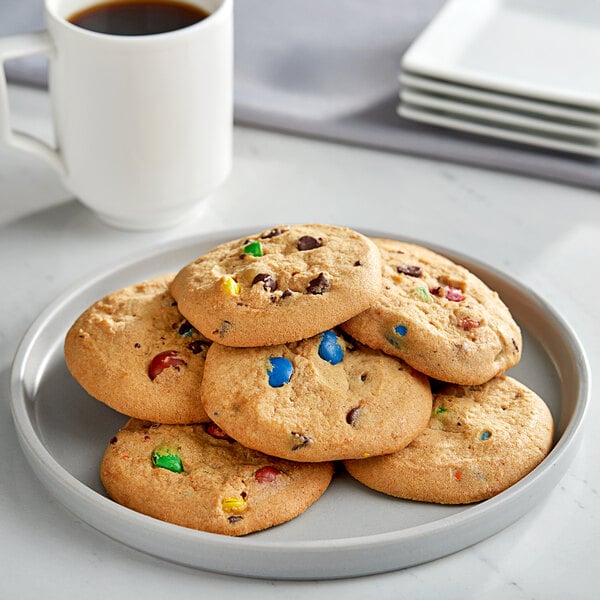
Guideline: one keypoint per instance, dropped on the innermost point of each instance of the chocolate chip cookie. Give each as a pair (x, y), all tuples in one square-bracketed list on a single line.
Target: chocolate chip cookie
[(281, 285), (196, 476), (134, 351), (480, 440), (438, 317), (324, 398)]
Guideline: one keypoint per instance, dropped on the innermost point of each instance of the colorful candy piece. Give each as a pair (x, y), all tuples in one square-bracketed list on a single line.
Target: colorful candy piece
[(400, 330), (330, 349), (266, 474), (396, 335), (485, 435), (233, 504), (215, 431), (467, 324), (230, 286), (253, 249), (424, 294), (280, 371), (164, 360), (166, 457), (454, 294)]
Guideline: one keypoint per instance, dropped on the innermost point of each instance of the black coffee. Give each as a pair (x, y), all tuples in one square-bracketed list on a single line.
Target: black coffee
[(141, 17)]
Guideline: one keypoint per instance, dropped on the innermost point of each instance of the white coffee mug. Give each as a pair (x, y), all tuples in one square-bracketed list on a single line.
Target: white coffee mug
[(143, 124)]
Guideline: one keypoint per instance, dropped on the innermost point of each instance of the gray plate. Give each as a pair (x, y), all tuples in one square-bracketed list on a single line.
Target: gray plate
[(351, 530)]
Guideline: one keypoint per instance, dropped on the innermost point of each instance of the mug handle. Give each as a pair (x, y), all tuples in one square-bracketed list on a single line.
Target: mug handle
[(15, 46)]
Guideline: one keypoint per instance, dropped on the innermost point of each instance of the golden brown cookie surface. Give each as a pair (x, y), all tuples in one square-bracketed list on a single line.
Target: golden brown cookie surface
[(281, 285), (324, 398), (438, 317), (134, 351), (197, 477), (480, 440)]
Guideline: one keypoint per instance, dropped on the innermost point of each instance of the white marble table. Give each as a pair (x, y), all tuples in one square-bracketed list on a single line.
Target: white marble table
[(546, 235)]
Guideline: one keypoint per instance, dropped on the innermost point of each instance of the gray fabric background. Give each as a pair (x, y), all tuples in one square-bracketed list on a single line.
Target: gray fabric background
[(329, 69)]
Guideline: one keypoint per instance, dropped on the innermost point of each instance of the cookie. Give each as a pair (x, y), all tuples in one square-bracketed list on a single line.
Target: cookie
[(281, 285), (438, 317), (197, 477), (325, 398), (480, 440), (134, 351)]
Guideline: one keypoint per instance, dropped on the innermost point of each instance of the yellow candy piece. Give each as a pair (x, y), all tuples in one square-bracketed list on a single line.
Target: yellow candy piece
[(230, 286), (233, 504)]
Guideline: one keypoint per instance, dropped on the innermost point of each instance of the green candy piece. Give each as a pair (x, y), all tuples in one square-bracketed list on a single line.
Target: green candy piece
[(167, 458), (424, 294), (253, 248)]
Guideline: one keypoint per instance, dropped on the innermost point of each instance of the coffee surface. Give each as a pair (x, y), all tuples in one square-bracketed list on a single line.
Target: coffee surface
[(142, 17)]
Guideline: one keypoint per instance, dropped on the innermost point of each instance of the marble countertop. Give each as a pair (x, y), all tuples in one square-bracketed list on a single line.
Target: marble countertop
[(544, 235)]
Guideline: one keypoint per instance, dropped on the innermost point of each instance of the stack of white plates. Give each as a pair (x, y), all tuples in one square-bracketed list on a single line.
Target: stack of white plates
[(521, 70)]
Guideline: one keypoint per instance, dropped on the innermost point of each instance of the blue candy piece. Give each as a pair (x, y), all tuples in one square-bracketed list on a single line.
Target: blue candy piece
[(400, 330), (280, 372), (330, 349), (396, 335)]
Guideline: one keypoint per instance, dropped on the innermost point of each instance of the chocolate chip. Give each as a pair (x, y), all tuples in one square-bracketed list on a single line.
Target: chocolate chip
[(274, 232), (197, 346), (286, 293), (113, 440), (515, 345), (234, 518), (318, 285), (225, 328), (352, 416), (411, 270), (269, 282), (186, 328), (137, 345), (357, 263), (435, 291), (363, 377), (300, 440), (307, 242)]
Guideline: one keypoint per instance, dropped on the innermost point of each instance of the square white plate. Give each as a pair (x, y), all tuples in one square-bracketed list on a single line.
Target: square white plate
[(502, 117), (546, 49), (529, 106), (494, 130)]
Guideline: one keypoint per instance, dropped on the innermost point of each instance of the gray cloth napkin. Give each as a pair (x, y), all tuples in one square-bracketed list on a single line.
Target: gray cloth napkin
[(329, 69)]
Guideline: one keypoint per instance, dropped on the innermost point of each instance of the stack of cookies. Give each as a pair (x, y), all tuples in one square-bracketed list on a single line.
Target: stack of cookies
[(255, 369)]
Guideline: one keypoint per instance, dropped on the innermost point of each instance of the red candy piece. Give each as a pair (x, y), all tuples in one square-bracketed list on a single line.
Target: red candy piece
[(454, 294), (266, 474), (467, 324), (215, 431), (164, 360)]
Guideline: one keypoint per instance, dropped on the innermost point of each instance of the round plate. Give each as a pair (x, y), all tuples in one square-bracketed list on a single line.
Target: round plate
[(351, 530)]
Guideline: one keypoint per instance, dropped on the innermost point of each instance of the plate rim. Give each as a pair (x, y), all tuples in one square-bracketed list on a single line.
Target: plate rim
[(58, 476)]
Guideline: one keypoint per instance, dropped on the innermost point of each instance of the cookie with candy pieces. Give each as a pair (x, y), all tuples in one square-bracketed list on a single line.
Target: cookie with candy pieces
[(135, 352), (438, 317), (281, 285), (324, 398), (480, 440), (196, 476)]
